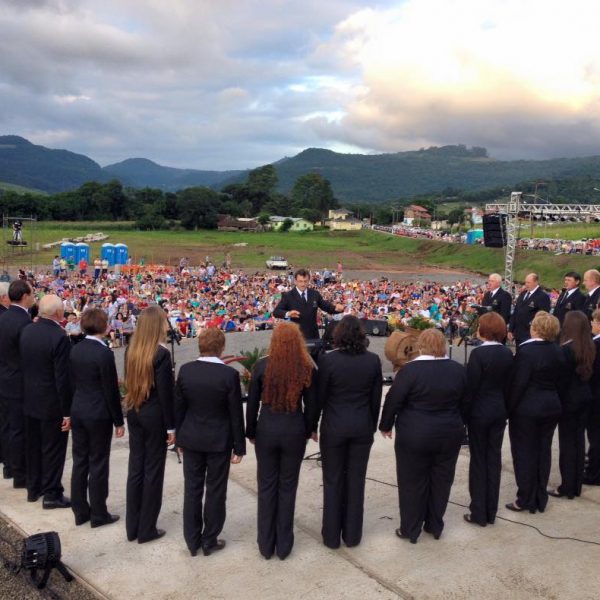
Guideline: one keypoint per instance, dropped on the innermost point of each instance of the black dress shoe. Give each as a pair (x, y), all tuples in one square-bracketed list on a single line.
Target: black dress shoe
[(159, 533), (63, 502), (436, 536), (81, 520), (106, 521), (469, 519), (516, 508), (405, 537), (33, 497), (557, 494), (207, 550)]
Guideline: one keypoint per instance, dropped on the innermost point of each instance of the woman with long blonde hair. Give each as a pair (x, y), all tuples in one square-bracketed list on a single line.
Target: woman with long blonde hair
[(283, 387), (149, 403)]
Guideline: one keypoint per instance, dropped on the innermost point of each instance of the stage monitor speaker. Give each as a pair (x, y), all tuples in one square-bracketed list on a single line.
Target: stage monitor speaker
[(494, 230), (376, 327)]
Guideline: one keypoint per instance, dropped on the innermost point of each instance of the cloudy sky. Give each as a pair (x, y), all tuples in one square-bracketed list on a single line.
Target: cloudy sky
[(222, 84)]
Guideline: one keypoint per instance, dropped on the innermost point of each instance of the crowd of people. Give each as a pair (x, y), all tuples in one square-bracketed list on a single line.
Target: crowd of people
[(50, 387)]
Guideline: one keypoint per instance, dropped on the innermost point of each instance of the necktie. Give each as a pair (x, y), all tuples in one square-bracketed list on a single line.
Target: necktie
[(526, 297), (304, 297)]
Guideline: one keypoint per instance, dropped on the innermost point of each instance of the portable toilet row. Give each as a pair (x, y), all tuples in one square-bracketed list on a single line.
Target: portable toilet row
[(473, 235), (75, 252), (115, 254)]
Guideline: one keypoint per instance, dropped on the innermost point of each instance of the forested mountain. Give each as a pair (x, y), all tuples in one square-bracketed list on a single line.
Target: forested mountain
[(353, 177), (141, 172), (25, 164)]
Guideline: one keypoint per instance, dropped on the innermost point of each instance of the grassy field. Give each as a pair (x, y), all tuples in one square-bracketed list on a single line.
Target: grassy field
[(365, 250), (11, 187), (565, 231)]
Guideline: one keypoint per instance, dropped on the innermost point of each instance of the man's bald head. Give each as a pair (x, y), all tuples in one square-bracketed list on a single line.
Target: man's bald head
[(51, 307)]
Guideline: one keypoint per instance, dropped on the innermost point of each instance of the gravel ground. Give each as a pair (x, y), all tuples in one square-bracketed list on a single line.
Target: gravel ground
[(19, 586)]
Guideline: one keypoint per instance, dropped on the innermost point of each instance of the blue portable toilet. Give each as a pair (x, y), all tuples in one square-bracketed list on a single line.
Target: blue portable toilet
[(473, 235), (67, 250), (108, 253), (121, 254), (82, 251)]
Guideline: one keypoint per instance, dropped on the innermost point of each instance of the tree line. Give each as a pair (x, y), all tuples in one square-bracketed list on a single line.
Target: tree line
[(192, 208)]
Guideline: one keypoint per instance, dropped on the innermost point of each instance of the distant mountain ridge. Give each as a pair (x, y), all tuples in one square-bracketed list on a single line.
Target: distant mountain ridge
[(354, 177)]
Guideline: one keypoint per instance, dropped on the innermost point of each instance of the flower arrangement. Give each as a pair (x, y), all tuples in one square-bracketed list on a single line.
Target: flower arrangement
[(420, 323), (247, 358)]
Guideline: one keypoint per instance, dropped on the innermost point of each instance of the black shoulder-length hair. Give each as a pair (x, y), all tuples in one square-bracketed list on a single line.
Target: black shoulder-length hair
[(349, 336)]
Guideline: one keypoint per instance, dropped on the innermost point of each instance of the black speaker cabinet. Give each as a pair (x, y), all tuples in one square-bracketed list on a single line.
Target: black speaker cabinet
[(494, 230)]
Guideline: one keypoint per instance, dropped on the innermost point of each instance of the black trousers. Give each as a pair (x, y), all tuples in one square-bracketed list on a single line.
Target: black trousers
[(531, 447), (14, 444), (571, 444), (204, 471), (427, 448), (46, 453), (485, 445), (145, 476), (4, 435), (344, 461), (592, 472), (280, 445), (91, 457)]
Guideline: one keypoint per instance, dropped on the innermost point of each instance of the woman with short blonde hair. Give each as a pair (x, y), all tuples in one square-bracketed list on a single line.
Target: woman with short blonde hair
[(149, 403)]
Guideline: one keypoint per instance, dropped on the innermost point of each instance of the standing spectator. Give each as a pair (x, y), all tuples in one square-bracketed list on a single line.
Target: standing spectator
[(56, 266), (570, 298), (210, 432), (349, 394), (533, 410), (425, 404), (44, 350), (83, 265), (283, 386), (96, 408), (97, 268), (149, 402)]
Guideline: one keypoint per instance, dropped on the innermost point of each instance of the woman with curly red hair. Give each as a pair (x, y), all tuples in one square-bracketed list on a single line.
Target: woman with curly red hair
[(283, 387)]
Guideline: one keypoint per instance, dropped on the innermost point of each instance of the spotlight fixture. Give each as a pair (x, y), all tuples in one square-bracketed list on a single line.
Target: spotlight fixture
[(43, 551)]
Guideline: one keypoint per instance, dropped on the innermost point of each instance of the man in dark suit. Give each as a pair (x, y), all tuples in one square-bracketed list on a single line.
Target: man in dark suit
[(496, 298), (210, 431), (301, 303), (591, 282), (530, 301), (12, 428), (45, 349), (570, 298)]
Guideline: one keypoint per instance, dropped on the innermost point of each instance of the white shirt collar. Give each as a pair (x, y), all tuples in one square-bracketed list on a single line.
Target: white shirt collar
[(533, 291), (211, 359), (429, 357), (597, 337), (569, 292), (531, 340), (93, 337), (591, 292), (493, 292), (305, 291), (491, 343), (21, 307)]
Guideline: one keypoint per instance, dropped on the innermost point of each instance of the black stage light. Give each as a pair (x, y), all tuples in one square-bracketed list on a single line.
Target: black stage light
[(42, 551)]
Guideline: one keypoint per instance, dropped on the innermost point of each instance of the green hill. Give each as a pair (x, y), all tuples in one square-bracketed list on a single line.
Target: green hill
[(25, 164), (19, 189), (141, 172)]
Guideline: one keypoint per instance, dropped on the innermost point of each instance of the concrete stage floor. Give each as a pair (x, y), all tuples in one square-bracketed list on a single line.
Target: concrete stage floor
[(503, 561)]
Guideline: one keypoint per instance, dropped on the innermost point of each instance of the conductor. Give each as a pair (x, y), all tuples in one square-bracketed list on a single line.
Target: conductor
[(301, 303)]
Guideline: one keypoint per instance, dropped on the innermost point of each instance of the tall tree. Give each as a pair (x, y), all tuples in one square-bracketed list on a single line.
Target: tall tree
[(198, 208), (313, 191)]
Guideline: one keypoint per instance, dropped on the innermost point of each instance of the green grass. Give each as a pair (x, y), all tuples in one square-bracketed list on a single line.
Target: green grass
[(11, 187), (366, 250), (565, 231)]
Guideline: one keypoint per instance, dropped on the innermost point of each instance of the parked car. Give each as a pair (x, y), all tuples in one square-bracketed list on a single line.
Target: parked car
[(277, 262)]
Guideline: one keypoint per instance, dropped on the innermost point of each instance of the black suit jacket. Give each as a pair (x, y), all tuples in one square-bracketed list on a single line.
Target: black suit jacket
[(535, 386), (306, 401), (45, 351), (488, 376), (3, 308), (159, 405), (524, 313), (565, 304), (595, 380), (500, 303), (208, 408), (308, 310), (95, 383), (575, 394), (428, 386), (12, 322), (591, 303), (348, 393)]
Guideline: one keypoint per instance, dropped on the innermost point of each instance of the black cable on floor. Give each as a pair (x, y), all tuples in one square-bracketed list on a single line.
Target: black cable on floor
[(546, 535)]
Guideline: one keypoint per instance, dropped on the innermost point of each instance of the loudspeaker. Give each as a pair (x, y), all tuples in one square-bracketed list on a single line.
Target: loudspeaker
[(494, 230), (376, 327)]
